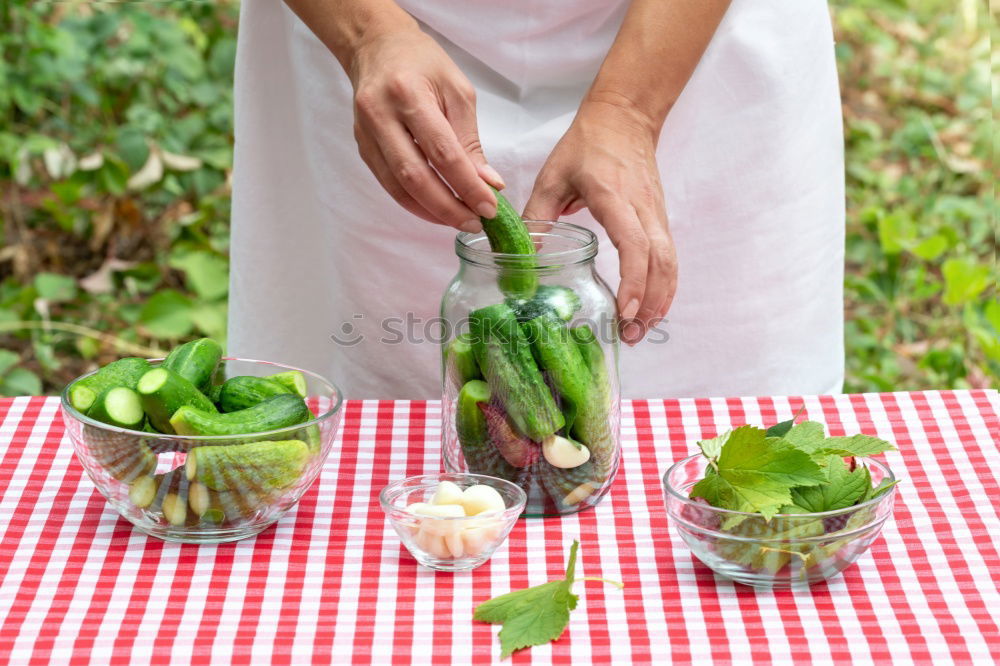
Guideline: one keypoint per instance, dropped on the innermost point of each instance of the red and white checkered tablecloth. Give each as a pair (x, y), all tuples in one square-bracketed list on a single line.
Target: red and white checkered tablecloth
[(331, 583)]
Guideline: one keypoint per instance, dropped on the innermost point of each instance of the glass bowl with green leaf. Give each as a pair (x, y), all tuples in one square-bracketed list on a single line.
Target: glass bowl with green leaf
[(781, 507)]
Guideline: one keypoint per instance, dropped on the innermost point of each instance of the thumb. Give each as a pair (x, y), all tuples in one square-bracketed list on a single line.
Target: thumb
[(547, 200)]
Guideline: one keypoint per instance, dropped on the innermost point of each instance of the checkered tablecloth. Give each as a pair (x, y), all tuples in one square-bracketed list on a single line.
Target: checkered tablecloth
[(331, 583)]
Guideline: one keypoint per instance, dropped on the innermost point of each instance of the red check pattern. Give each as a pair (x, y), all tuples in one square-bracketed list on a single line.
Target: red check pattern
[(331, 583)]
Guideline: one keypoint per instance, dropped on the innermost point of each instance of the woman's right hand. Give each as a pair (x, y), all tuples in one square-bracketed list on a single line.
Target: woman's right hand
[(415, 124)]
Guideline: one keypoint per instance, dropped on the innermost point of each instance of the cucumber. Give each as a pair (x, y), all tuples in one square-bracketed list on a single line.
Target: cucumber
[(253, 466), (241, 392), (119, 406), (508, 234), (470, 422), (593, 356), (195, 361), (123, 372), (504, 357), (563, 302), (280, 411), (460, 361), (293, 380), (559, 356), (213, 393), (163, 392)]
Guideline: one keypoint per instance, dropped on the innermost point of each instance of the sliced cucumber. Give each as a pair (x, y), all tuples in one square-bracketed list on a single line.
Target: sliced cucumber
[(293, 380), (123, 372), (119, 406), (163, 392)]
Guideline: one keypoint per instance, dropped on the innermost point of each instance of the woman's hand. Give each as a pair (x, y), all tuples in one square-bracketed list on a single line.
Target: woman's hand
[(606, 162), (415, 124)]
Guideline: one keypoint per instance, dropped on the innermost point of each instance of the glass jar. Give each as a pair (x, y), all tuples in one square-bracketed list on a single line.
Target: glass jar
[(530, 369)]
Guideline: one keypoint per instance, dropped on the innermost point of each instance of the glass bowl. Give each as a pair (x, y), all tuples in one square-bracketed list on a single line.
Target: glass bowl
[(790, 549), (450, 544), (254, 481)]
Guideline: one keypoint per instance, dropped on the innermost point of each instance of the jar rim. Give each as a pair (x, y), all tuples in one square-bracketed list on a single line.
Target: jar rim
[(584, 239)]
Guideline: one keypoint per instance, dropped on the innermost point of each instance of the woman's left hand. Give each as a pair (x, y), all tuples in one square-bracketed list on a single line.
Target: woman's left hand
[(606, 162)]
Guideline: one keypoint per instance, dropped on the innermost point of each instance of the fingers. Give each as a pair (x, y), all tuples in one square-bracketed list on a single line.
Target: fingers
[(460, 110), (548, 199), (410, 168), (452, 159), (648, 263), (661, 280), (372, 157)]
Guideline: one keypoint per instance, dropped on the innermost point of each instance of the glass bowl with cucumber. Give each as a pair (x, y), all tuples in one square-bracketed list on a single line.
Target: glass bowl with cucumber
[(530, 390), (201, 448)]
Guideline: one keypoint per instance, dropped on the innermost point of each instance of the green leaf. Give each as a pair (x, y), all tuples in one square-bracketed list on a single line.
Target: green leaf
[(712, 447), (963, 280), (498, 609), (882, 488), (20, 381), (207, 273), (756, 473), (210, 319), (8, 360), (807, 436), (167, 314), (539, 622), (931, 248), (895, 232), (55, 287), (843, 488), (533, 616), (856, 445)]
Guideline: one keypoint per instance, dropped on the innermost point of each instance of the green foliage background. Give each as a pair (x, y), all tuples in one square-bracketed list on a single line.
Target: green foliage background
[(116, 148)]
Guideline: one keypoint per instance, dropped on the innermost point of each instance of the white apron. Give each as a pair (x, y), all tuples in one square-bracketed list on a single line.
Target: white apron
[(752, 167)]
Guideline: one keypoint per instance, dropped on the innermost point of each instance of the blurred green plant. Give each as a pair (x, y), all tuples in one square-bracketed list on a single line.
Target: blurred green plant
[(116, 149), (115, 153), (921, 278)]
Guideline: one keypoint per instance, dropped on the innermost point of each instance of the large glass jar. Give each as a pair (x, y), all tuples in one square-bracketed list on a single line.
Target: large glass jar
[(530, 369)]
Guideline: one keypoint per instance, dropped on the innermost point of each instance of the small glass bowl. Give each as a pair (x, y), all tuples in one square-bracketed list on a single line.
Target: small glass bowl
[(126, 465), (790, 549), (450, 544)]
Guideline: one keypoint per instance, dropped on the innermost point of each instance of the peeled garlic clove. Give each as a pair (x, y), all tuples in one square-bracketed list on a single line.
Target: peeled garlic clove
[(580, 493), (564, 454), (433, 519), (475, 541), (417, 507), (482, 498), (447, 493), (454, 543)]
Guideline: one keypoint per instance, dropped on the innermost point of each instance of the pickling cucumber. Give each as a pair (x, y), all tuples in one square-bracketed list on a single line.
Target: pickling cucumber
[(119, 406), (561, 301), (559, 356), (254, 465), (460, 361), (504, 357), (195, 361), (280, 411), (470, 422), (293, 380), (163, 392), (593, 356), (244, 391), (508, 234), (123, 372)]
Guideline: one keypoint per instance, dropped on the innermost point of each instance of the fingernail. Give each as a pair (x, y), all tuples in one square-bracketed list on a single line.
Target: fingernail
[(493, 177), (471, 226), (487, 210), (631, 309), (632, 332)]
